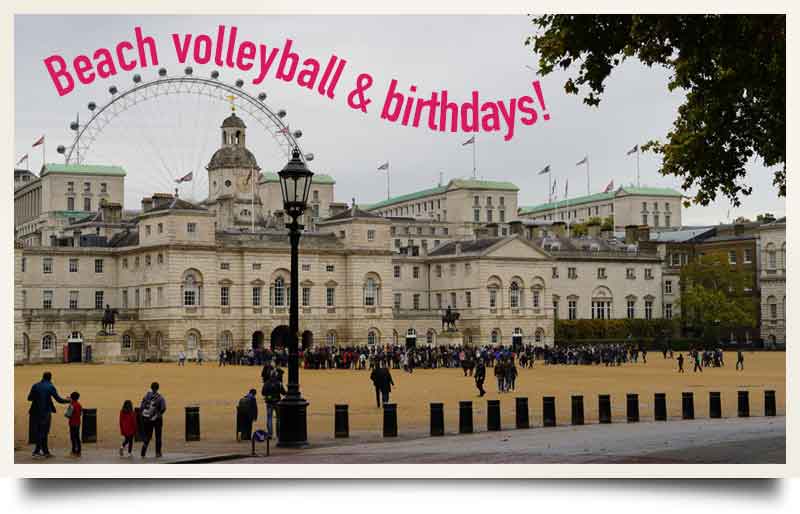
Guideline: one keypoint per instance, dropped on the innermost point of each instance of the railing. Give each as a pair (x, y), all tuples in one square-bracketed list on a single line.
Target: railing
[(77, 314)]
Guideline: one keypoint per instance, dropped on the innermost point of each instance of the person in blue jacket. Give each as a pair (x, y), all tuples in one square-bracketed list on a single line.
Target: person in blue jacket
[(41, 397)]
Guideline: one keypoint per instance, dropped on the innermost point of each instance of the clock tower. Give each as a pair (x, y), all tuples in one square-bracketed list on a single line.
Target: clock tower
[(233, 175)]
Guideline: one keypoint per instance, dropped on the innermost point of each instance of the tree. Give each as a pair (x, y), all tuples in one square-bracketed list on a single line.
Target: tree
[(732, 68), (713, 295)]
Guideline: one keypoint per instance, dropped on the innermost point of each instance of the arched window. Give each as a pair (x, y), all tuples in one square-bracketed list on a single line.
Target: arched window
[(225, 341), (159, 340), (518, 332), (127, 343), (191, 341), (538, 336), (280, 292), (514, 295), (772, 305), (370, 293), (772, 257), (372, 338), (395, 337), (26, 346), (411, 332), (537, 297), (330, 338), (48, 343), (430, 337), (495, 336), (191, 289)]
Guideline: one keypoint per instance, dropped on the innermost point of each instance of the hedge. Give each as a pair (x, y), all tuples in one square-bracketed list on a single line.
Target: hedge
[(620, 329)]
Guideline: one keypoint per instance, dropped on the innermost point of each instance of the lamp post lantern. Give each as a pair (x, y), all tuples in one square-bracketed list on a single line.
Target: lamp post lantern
[(295, 179)]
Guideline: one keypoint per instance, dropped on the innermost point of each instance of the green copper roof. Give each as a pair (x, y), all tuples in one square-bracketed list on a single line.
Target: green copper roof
[(318, 178), (73, 214), (622, 191), (83, 169), (458, 183)]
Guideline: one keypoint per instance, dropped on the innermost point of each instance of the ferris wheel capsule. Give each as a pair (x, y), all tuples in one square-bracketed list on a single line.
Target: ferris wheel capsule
[(112, 90), (73, 125), (262, 96), (282, 113), (215, 74), (188, 70), (309, 156), (137, 78), (61, 149), (297, 134), (239, 83), (92, 106), (162, 72)]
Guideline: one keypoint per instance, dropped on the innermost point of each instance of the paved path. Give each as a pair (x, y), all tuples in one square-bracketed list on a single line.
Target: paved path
[(736, 440)]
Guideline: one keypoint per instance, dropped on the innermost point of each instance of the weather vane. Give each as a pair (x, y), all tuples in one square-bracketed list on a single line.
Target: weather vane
[(231, 98)]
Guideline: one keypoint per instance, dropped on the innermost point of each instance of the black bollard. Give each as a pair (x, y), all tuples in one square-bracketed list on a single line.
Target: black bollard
[(770, 408), (714, 405), (138, 436), (577, 410), (493, 415), (549, 411), (193, 423), (523, 419), (744, 404), (437, 419), (465, 417), (341, 421), (604, 408), (633, 407), (660, 407), (687, 405), (31, 430), (389, 420), (89, 426)]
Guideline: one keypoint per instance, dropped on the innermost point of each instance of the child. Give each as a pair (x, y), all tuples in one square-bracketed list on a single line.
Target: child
[(127, 427), (75, 423)]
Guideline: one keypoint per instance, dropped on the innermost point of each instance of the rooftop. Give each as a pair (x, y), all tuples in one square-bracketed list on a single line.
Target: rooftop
[(457, 183), (597, 197), (318, 178), (82, 169)]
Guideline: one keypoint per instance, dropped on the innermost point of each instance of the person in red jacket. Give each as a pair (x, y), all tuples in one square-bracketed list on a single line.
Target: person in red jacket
[(75, 423), (127, 427)]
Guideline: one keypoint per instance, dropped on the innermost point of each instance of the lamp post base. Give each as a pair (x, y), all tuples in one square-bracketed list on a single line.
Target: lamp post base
[(292, 425)]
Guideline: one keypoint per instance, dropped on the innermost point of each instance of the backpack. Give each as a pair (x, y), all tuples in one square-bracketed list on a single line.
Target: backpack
[(151, 409), (244, 403)]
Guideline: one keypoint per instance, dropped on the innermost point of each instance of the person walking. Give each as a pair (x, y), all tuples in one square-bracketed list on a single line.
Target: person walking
[(374, 377), (248, 412), (181, 358), (74, 415), (680, 363), (41, 397), (739, 360), (272, 392), (127, 427), (199, 357), (153, 408), (480, 377), (383, 383), (697, 363)]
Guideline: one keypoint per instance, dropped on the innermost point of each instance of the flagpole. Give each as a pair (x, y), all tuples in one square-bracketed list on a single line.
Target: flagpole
[(388, 190), (588, 189), (253, 203), (637, 166), (474, 166)]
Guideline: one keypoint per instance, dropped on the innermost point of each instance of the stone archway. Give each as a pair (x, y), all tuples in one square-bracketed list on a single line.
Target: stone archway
[(257, 340), (279, 337), (307, 340)]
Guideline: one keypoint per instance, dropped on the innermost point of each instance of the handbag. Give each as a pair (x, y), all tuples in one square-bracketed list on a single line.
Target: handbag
[(69, 411)]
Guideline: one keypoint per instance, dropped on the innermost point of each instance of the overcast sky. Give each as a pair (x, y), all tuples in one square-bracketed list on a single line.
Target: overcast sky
[(160, 140)]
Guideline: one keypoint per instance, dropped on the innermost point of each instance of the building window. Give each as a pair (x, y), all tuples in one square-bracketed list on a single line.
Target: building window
[(668, 286), (257, 296), (306, 267), (73, 299), (47, 299), (330, 296), (47, 265), (438, 271), (555, 272), (572, 309), (124, 298), (655, 220), (372, 338), (136, 298), (644, 219), (601, 273), (191, 291), (160, 295), (87, 204), (476, 215), (502, 216), (630, 273), (648, 309), (136, 262), (453, 300), (396, 271), (70, 187), (225, 265), (256, 266), (452, 269), (416, 302), (601, 309), (161, 258), (668, 310), (147, 297), (514, 295), (495, 337), (667, 222), (492, 298), (748, 255), (98, 299), (306, 297), (476, 200), (330, 268), (70, 204), (415, 272), (98, 265), (489, 216), (370, 293), (370, 235), (224, 296), (160, 228), (648, 274), (468, 299), (631, 309), (536, 298), (398, 298), (147, 260), (125, 263), (147, 230), (73, 265), (191, 228), (732, 257), (23, 264), (280, 292), (48, 343), (572, 273)]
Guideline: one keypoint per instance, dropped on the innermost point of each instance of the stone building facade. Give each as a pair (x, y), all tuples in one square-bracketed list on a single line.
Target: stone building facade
[(772, 282)]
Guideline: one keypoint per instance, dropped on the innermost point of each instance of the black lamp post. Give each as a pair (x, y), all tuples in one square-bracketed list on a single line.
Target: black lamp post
[(295, 184)]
